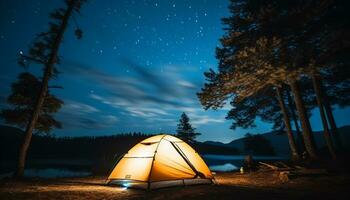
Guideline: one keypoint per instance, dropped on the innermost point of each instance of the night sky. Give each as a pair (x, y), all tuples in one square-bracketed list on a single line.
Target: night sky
[(137, 68)]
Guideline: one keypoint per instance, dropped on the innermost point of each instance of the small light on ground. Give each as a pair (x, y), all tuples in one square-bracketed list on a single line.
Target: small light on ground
[(241, 170)]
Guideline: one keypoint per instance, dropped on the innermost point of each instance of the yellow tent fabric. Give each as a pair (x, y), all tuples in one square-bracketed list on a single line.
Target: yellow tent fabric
[(160, 161)]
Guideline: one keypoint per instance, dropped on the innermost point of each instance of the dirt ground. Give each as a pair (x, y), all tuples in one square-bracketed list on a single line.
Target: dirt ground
[(258, 185)]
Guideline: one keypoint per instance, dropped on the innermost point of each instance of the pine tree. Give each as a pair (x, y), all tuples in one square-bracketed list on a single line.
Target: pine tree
[(45, 52), (251, 86), (299, 38), (313, 41), (24, 93), (184, 130)]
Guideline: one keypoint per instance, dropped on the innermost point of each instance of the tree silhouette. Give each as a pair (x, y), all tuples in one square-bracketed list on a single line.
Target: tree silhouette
[(184, 130), (45, 52), (24, 93), (278, 44)]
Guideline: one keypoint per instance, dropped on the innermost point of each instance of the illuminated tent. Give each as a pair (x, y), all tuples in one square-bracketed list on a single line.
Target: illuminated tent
[(160, 161)]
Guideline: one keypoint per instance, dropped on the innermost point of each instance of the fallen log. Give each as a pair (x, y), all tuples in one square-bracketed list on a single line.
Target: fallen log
[(300, 167), (283, 164)]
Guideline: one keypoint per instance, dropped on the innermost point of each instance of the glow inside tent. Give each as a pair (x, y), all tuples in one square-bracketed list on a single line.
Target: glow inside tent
[(160, 161)]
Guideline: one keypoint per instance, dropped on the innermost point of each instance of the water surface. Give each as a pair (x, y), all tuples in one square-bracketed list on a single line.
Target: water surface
[(225, 163)]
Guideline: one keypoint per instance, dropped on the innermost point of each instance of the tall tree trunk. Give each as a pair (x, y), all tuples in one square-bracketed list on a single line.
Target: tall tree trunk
[(332, 123), (292, 145), (317, 87), (305, 124), (44, 89), (299, 138)]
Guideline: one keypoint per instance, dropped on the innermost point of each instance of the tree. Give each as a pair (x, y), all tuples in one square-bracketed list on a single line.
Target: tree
[(337, 88), (286, 118), (303, 37), (184, 130), (315, 42), (249, 80), (24, 93), (45, 52)]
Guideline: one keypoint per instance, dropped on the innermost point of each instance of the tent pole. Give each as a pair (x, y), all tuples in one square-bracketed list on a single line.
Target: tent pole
[(150, 172), (187, 161)]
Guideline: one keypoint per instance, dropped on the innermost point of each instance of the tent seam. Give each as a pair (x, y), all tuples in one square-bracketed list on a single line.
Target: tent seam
[(154, 156)]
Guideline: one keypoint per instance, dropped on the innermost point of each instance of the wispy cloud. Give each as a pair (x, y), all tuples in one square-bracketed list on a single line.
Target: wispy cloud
[(77, 115), (154, 97), (186, 84), (145, 86), (78, 107), (200, 119)]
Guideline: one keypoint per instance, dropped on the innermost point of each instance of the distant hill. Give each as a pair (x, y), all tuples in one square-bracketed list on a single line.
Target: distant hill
[(280, 141), (215, 143)]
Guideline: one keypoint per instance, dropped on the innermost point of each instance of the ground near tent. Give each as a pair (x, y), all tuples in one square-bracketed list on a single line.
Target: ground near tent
[(259, 185)]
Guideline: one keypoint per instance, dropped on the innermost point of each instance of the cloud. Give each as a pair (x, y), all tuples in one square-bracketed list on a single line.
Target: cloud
[(186, 84), (145, 96), (147, 76), (206, 120), (145, 86), (200, 119), (144, 89), (77, 107), (110, 119), (137, 110), (76, 115)]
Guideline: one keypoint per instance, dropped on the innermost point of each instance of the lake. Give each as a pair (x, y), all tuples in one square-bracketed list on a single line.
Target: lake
[(226, 163), (76, 168)]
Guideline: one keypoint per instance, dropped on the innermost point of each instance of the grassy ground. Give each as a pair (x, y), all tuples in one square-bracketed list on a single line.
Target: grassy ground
[(259, 185)]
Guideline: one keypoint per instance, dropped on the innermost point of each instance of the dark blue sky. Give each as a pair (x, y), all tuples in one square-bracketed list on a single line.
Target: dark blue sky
[(137, 67)]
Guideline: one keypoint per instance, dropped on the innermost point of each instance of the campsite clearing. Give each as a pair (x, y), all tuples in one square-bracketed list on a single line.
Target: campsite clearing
[(258, 185)]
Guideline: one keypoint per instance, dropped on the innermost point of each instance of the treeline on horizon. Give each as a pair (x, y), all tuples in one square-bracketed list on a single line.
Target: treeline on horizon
[(95, 148)]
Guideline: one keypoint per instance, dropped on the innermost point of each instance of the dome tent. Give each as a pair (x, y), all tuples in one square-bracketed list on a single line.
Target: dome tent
[(160, 161)]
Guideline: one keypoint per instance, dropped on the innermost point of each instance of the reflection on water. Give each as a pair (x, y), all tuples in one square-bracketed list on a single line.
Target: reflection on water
[(54, 173), (224, 163), (223, 168)]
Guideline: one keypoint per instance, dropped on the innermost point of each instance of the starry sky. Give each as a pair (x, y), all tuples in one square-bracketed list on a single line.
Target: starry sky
[(137, 67)]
